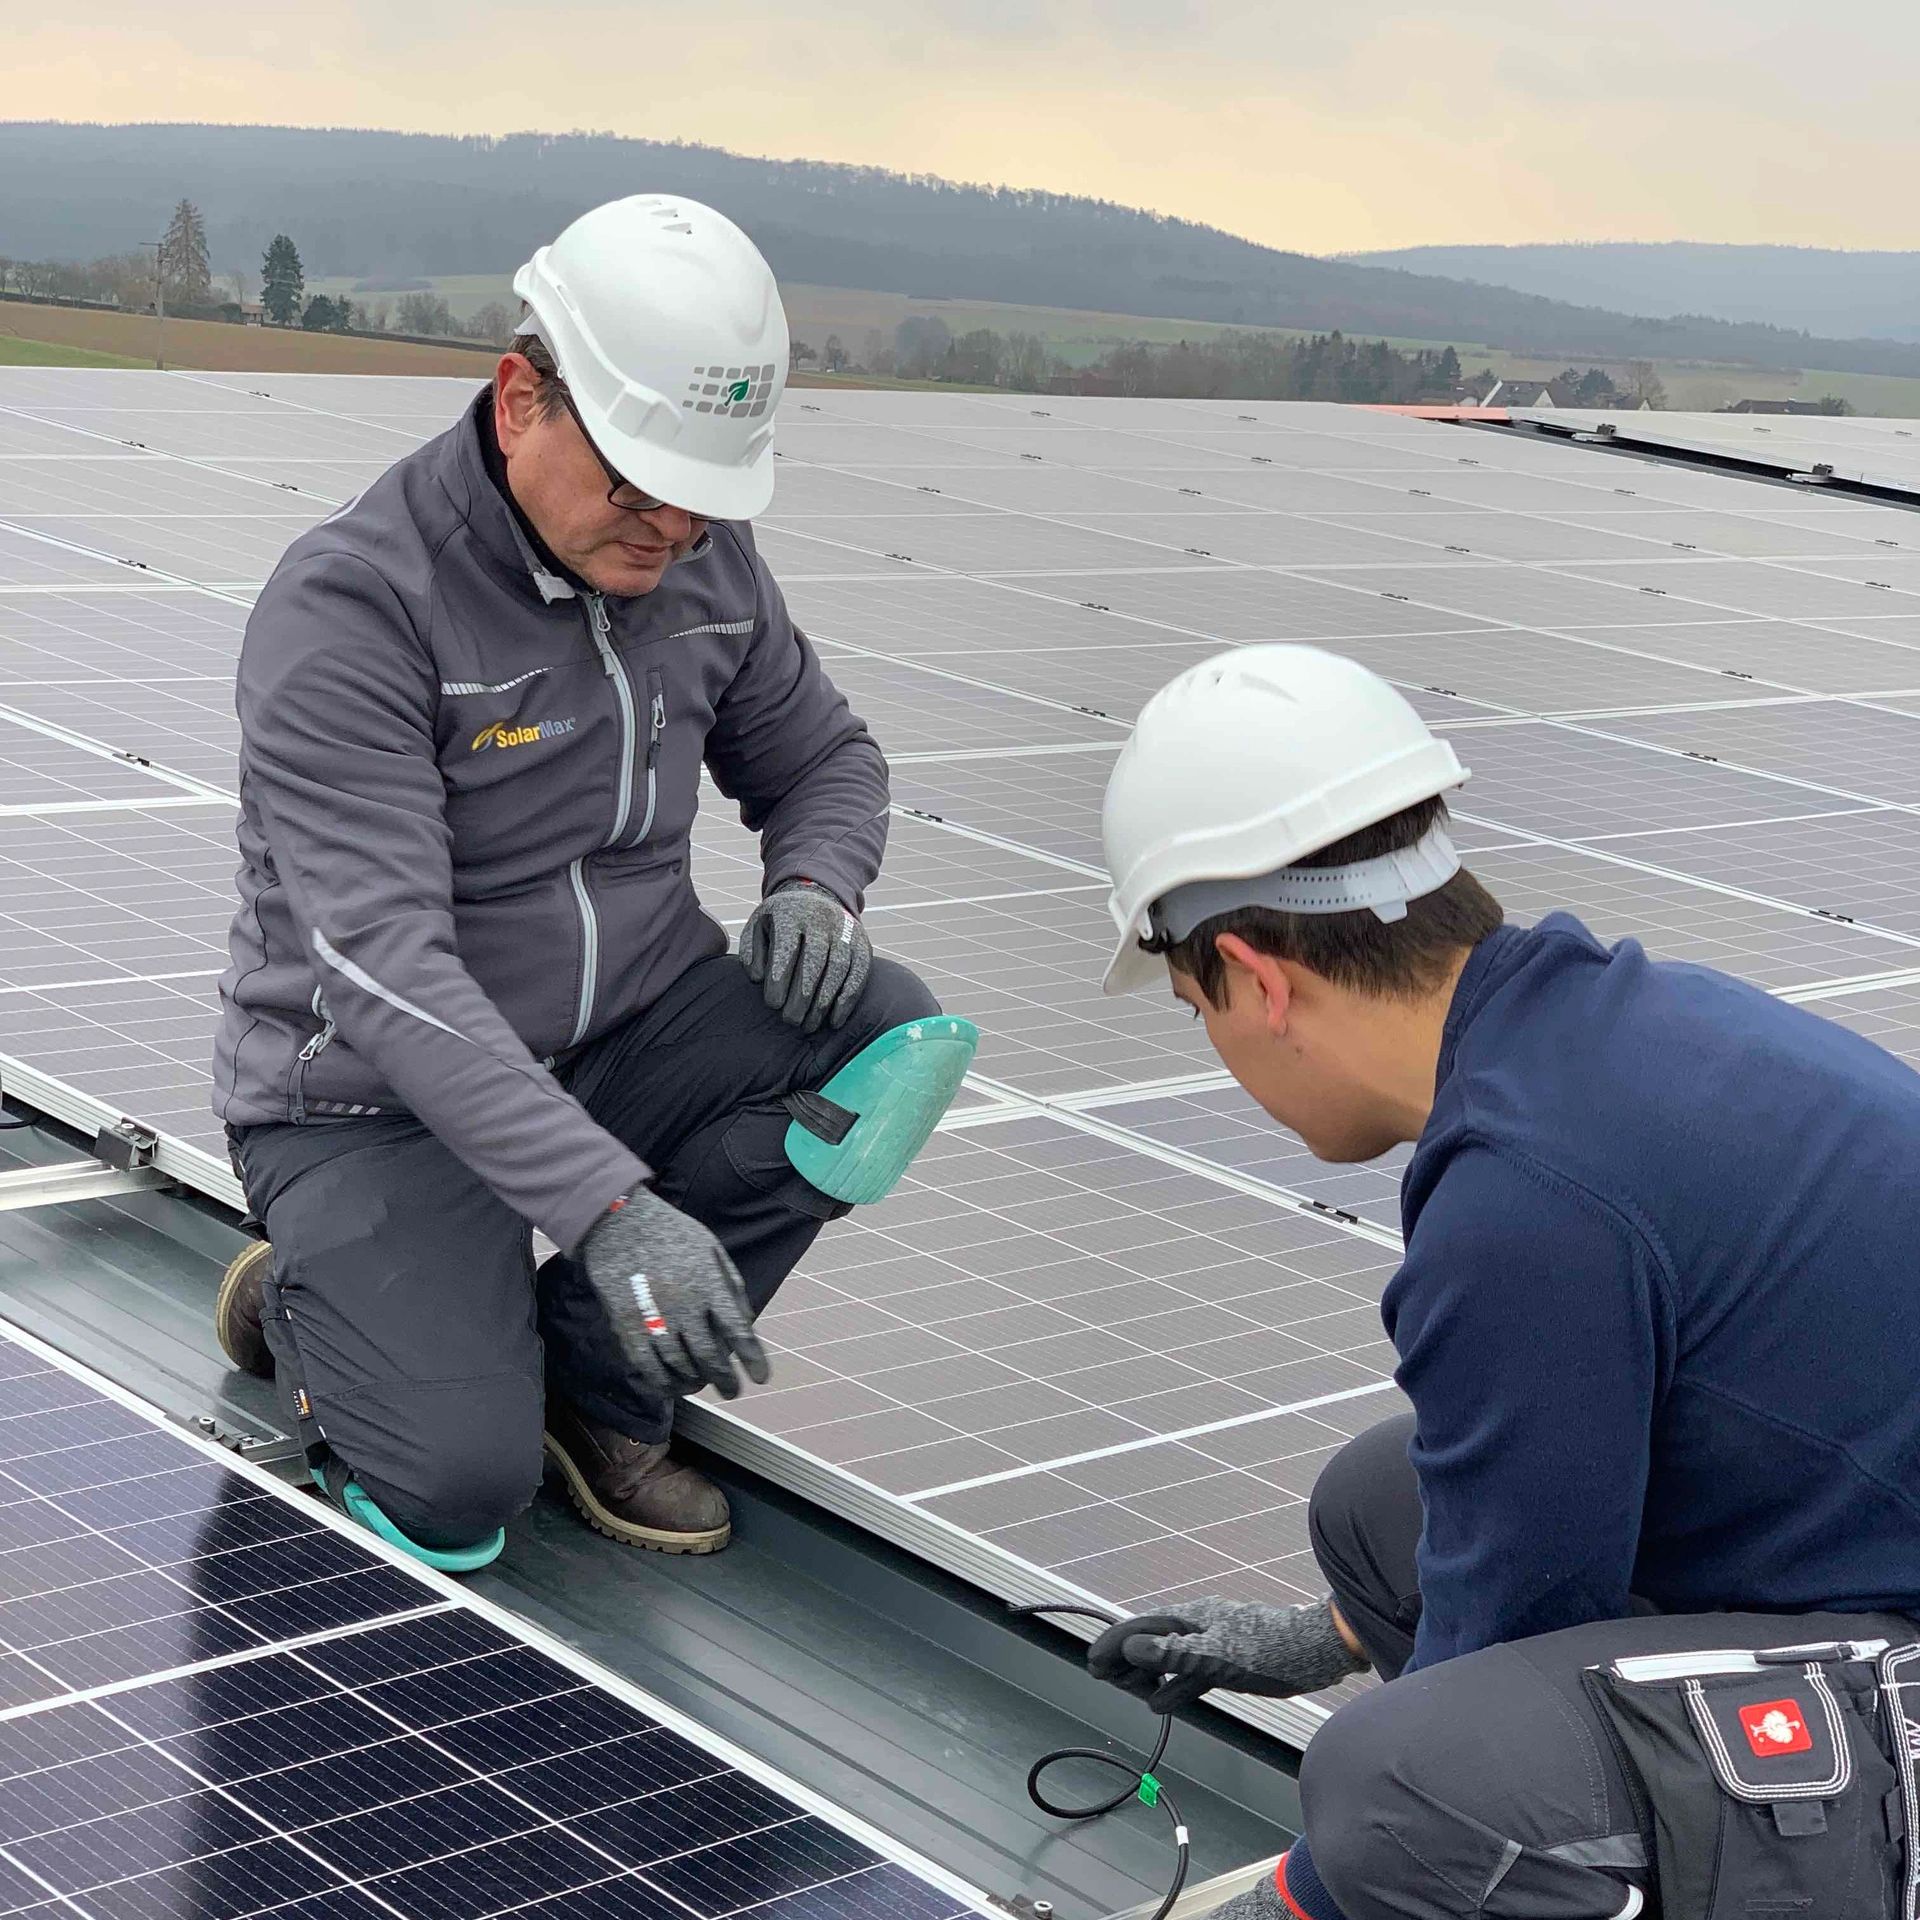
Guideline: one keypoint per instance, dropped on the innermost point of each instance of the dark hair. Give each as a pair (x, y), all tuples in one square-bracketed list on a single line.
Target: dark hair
[(547, 401), (1390, 959)]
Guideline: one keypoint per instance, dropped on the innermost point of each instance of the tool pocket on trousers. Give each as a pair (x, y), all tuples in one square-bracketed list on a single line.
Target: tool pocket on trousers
[(756, 1150), (1767, 1788)]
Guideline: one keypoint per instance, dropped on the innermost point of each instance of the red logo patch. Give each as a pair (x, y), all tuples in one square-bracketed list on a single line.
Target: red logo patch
[(1776, 1726)]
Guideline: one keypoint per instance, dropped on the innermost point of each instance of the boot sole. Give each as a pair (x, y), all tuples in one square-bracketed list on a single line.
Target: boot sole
[(243, 1346), (604, 1521)]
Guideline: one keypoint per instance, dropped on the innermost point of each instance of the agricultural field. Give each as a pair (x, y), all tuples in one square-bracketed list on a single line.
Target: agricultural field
[(18, 352), (1082, 337), (1077, 337), (81, 337)]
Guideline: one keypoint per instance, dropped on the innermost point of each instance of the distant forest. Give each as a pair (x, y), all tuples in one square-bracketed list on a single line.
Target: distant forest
[(1875, 295), (371, 204)]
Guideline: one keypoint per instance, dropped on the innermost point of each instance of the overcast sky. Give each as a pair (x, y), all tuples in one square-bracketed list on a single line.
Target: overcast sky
[(1363, 123)]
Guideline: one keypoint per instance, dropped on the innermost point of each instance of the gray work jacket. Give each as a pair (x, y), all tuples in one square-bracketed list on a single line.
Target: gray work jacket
[(466, 796)]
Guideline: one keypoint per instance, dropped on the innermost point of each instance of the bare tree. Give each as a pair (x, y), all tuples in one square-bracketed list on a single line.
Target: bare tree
[(494, 323), (1644, 386), (6, 272), (833, 356), (424, 313), (1028, 365), (920, 345), (979, 358)]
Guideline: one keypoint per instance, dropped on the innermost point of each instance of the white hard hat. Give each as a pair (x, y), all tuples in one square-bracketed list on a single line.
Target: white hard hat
[(667, 327), (1249, 762)]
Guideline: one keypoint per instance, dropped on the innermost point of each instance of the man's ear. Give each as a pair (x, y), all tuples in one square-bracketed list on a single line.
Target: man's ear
[(1249, 971), (516, 389)]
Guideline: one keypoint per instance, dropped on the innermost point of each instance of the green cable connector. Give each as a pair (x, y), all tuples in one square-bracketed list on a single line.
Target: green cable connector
[(1149, 1790)]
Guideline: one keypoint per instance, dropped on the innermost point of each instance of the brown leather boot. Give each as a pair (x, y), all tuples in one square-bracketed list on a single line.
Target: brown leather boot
[(236, 1313), (632, 1491)]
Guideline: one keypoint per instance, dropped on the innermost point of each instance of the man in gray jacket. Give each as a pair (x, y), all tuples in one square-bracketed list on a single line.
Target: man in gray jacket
[(472, 991)]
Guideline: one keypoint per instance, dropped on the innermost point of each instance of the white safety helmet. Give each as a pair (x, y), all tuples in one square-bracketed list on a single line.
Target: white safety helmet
[(1249, 762), (667, 327)]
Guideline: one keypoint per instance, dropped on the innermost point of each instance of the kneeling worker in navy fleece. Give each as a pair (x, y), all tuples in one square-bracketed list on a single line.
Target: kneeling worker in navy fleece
[(1642, 1568)]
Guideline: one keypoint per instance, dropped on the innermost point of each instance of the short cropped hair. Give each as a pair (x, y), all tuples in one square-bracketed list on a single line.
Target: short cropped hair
[(1388, 959)]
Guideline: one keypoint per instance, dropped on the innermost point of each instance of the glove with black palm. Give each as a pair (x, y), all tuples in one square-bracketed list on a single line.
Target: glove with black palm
[(1170, 1659), (674, 1299), (809, 954)]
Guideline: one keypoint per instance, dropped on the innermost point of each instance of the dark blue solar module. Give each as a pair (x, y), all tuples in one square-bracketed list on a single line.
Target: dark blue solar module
[(214, 1703)]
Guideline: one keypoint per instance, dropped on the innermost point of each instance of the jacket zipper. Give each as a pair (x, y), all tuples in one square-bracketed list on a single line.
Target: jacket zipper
[(309, 1053), (601, 628), (589, 950)]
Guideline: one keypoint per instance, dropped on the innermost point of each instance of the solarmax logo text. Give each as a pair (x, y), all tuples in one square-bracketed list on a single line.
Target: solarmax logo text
[(502, 735)]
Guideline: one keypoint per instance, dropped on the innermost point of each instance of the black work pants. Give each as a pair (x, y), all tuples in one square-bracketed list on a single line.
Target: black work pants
[(1487, 1785), (411, 1334)]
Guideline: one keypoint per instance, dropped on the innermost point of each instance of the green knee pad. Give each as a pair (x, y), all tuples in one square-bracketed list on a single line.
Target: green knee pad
[(357, 1505), (857, 1136)]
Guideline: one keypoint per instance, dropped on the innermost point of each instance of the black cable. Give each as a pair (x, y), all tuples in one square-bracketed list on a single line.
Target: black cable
[(1143, 1785)]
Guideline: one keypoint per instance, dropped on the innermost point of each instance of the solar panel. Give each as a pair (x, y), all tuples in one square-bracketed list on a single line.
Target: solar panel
[(217, 1699), (1623, 653), (1879, 452)]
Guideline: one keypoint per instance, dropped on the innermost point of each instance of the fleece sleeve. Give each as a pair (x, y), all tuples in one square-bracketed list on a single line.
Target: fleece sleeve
[(1525, 1317)]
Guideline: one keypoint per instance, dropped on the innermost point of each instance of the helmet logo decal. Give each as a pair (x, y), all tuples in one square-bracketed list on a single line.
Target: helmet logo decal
[(742, 392)]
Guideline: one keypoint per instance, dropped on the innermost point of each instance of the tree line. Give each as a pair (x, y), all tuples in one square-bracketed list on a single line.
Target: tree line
[(1224, 366), (178, 269)]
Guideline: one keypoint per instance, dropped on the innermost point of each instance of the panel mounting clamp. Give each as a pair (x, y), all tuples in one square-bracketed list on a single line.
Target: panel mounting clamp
[(127, 1144)]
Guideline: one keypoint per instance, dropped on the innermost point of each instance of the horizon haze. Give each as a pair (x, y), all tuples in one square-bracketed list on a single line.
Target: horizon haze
[(1683, 120)]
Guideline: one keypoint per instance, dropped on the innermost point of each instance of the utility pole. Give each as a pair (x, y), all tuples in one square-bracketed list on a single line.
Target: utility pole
[(159, 302)]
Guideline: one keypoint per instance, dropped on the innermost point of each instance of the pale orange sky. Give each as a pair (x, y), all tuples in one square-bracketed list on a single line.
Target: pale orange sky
[(1362, 124)]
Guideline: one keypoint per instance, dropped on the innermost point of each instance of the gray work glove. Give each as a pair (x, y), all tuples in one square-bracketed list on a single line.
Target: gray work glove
[(1261, 1901), (811, 954), (1170, 1659), (677, 1306)]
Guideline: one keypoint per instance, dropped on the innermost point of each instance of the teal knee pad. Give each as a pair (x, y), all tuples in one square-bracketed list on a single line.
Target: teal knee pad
[(358, 1505), (857, 1136)]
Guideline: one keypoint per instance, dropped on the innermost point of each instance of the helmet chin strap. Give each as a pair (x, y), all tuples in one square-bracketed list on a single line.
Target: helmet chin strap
[(1384, 884)]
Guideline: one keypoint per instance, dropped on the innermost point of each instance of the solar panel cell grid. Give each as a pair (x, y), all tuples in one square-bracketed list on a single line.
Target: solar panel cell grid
[(1578, 785), (37, 560), (57, 637), (1831, 743), (204, 547), (1888, 1016), (39, 769), (1772, 588), (1681, 920), (1801, 659), (184, 726), (1864, 865), (222, 1705)]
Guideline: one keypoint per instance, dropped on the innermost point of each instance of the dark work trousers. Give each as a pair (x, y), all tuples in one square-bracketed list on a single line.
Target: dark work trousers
[(403, 1302), (1486, 1785)]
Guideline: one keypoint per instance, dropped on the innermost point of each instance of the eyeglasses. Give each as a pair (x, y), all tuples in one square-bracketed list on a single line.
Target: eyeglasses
[(623, 493)]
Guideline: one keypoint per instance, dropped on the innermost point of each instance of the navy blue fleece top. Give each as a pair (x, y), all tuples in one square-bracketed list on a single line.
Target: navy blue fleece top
[(1660, 1311)]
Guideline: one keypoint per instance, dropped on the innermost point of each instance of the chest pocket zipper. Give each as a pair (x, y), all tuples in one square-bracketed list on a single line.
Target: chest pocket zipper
[(656, 726)]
